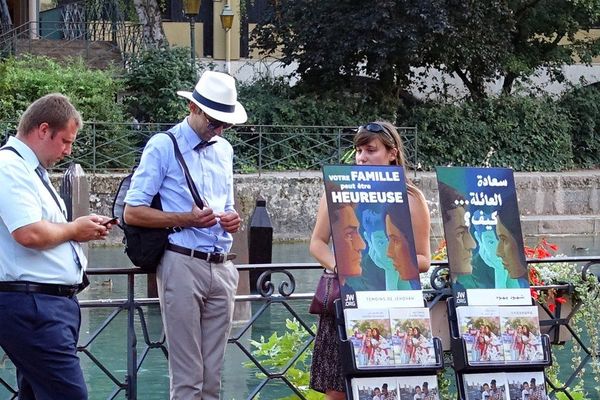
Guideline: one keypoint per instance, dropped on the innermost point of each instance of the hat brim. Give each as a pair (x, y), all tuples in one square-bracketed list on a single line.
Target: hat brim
[(238, 116)]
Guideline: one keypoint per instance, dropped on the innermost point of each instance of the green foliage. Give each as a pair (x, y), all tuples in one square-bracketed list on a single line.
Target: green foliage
[(152, 81), (582, 105), (92, 92), (276, 351), (275, 102), (527, 134)]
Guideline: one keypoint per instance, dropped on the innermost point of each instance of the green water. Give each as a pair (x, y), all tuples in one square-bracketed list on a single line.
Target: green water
[(110, 346)]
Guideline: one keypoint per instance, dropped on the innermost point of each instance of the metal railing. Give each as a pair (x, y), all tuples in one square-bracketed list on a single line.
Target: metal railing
[(104, 147), (122, 36), (127, 385)]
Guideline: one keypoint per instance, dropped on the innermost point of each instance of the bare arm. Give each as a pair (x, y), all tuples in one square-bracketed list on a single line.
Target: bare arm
[(149, 217), (45, 235), (319, 240), (421, 225)]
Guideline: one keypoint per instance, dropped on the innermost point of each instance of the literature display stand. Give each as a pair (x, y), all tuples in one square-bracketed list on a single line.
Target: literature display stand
[(387, 348), (396, 372), (503, 372)]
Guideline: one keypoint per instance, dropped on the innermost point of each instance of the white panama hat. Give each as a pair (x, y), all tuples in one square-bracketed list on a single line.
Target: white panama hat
[(216, 95)]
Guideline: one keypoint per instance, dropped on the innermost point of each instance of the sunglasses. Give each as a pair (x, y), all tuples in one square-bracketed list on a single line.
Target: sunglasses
[(373, 127), (216, 124)]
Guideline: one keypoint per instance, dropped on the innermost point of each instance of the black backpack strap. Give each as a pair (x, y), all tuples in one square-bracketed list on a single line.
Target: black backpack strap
[(186, 172)]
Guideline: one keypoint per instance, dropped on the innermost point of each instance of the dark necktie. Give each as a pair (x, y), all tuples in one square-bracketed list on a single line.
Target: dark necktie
[(203, 144)]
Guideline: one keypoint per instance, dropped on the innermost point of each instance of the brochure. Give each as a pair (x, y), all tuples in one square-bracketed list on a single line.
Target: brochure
[(369, 332), (479, 326), (412, 339)]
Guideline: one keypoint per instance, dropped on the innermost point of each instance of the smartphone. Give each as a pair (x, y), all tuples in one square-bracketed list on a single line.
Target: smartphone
[(111, 221)]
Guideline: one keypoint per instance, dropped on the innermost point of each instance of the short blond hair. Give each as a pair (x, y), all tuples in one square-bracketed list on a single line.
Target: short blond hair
[(55, 109)]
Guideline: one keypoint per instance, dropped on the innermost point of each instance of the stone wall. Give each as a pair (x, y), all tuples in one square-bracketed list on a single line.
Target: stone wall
[(550, 203)]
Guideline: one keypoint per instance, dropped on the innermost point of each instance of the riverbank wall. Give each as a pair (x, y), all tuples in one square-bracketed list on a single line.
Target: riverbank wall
[(550, 203)]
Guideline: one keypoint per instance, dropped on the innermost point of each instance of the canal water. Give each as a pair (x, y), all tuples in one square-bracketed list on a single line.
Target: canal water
[(109, 347)]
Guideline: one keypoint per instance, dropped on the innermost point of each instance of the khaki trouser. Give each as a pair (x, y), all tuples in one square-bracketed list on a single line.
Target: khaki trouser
[(196, 302)]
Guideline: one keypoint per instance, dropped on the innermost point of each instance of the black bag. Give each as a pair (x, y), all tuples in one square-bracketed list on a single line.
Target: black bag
[(146, 246)]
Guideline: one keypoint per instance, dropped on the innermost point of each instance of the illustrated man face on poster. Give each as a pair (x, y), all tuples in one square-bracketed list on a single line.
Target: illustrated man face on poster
[(459, 241), (348, 244)]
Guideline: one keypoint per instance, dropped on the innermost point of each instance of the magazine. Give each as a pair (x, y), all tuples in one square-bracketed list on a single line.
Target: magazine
[(382, 388), (483, 236), (479, 327), (521, 337), (369, 332), (412, 339), (526, 385), (488, 386), (418, 388)]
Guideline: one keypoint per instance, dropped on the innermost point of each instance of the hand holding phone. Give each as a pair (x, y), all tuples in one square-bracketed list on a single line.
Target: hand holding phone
[(111, 221)]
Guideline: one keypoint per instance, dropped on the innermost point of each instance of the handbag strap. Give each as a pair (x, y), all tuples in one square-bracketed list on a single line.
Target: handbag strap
[(186, 172)]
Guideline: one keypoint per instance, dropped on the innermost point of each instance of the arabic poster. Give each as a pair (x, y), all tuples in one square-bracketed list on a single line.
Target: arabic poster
[(483, 235), (372, 236)]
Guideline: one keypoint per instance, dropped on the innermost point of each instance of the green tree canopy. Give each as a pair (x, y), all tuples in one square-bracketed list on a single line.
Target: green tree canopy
[(371, 46)]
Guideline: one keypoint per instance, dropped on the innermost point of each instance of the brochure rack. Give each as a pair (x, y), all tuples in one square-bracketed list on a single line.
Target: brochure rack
[(462, 365), (350, 369)]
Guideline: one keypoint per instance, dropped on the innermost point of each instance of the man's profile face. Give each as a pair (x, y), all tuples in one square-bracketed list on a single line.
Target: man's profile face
[(459, 241), (508, 251), (399, 251), (488, 245), (347, 242), (378, 245), (57, 143)]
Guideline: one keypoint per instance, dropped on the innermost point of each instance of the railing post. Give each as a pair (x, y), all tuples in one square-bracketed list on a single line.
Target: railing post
[(260, 240), (131, 340)]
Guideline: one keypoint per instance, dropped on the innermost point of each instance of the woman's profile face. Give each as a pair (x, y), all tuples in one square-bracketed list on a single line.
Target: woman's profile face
[(374, 153), (399, 252), (508, 251)]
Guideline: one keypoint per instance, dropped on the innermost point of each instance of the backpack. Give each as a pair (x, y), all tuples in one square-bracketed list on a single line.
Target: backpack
[(146, 246)]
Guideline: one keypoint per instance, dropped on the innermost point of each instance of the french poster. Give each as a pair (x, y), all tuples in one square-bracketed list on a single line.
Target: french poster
[(372, 236), (483, 236), (369, 332)]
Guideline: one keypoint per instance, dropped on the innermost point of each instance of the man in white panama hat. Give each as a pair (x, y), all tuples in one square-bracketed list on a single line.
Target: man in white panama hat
[(196, 278)]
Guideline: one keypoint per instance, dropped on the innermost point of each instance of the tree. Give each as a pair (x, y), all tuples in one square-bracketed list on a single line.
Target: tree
[(509, 40), (148, 13), (370, 46), (4, 14), (347, 45)]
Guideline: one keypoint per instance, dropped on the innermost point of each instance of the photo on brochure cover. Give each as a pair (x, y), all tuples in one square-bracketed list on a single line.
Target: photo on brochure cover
[(526, 386), (412, 340), (483, 235), (488, 386), (418, 387), (521, 336), (372, 236)]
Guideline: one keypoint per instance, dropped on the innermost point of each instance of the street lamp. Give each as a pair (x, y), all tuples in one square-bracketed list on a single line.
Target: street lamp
[(191, 8), (227, 22)]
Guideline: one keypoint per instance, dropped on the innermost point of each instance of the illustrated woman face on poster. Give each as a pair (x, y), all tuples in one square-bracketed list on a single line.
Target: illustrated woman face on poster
[(348, 244), (510, 252), (399, 251)]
